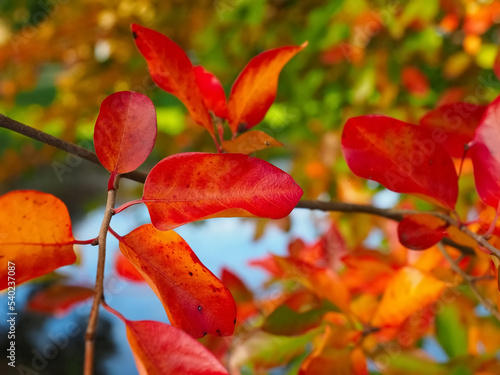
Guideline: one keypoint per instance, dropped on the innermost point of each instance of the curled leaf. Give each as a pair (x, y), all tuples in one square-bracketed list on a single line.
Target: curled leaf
[(421, 231), (403, 157), (255, 88), (254, 140), (125, 131), (193, 186), (35, 235), (194, 299)]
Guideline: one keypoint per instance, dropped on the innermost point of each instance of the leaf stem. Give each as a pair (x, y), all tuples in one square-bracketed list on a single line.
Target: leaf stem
[(471, 281), (126, 205), (116, 235), (99, 283), (92, 241)]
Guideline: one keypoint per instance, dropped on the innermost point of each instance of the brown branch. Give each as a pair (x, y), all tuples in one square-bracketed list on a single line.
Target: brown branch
[(471, 281), (99, 282), (138, 176), (71, 148)]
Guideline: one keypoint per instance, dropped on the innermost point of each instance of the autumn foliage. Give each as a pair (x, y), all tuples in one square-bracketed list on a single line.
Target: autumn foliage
[(341, 306)]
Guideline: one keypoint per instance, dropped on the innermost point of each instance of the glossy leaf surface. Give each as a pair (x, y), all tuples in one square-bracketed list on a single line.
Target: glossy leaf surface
[(212, 91), (453, 125), (35, 235), (421, 231), (254, 140), (187, 187), (160, 349), (194, 299), (59, 299), (255, 88), (400, 156), (125, 131), (172, 70), (409, 291), (485, 155)]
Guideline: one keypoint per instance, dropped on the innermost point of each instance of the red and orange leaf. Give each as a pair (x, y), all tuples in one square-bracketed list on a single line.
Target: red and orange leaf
[(35, 235), (415, 81), (194, 299), (421, 231), (254, 140), (125, 131), (409, 291), (193, 186), (485, 155), (160, 349), (402, 157), (242, 295), (453, 125), (255, 88), (126, 269), (212, 91), (58, 299), (172, 70)]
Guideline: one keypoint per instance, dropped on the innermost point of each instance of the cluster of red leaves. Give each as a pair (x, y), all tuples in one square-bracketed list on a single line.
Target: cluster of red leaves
[(35, 228)]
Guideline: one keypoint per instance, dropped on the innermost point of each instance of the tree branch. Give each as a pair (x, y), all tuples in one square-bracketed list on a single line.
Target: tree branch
[(99, 282), (471, 281), (138, 176)]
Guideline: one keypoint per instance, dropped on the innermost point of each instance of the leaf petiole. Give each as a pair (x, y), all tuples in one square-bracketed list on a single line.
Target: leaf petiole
[(125, 205)]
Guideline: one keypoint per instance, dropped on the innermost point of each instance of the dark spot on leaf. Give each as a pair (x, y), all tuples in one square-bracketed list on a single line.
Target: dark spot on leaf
[(134, 34), (204, 333), (190, 274), (218, 332), (199, 308), (234, 321)]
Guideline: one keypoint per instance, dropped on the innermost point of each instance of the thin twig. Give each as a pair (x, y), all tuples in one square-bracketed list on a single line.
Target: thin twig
[(138, 176), (99, 282), (471, 281)]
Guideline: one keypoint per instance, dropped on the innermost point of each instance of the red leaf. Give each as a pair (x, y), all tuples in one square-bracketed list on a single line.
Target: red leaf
[(212, 91), (496, 66), (402, 157), (453, 125), (254, 140), (160, 349), (421, 231), (35, 235), (415, 81), (172, 70), (58, 299), (193, 186), (485, 155), (126, 269), (255, 88), (194, 299), (125, 131)]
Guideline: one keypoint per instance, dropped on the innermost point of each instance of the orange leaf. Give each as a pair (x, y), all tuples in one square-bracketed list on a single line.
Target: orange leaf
[(194, 299), (125, 131), (172, 70), (58, 299), (160, 349), (421, 231), (255, 88), (409, 291), (251, 141), (126, 269), (194, 186), (35, 235)]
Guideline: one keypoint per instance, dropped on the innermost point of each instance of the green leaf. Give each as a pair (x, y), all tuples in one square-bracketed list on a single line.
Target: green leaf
[(451, 333)]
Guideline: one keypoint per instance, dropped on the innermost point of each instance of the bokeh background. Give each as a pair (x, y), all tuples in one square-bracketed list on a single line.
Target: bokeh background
[(60, 58)]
